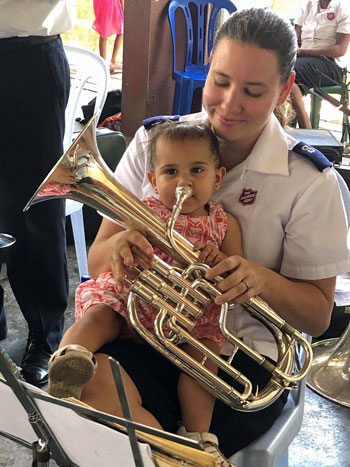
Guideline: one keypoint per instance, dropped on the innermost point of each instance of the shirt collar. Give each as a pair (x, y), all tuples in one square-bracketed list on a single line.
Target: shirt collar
[(270, 152)]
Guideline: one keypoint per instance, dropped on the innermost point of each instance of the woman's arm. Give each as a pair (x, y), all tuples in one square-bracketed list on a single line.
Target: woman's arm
[(232, 243), (306, 305), (334, 51)]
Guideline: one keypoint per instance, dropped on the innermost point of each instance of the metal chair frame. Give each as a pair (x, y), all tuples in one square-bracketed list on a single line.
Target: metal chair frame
[(319, 93)]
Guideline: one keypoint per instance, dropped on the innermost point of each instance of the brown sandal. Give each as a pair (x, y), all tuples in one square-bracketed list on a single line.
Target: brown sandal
[(70, 367)]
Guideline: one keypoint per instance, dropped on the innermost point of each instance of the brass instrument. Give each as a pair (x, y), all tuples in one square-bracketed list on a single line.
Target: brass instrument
[(329, 374), (180, 294)]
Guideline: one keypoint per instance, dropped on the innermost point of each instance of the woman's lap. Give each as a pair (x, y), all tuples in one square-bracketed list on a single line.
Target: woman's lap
[(316, 71), (156, 379)]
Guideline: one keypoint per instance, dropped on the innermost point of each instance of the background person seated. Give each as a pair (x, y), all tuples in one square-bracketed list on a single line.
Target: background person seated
[(323, 32)]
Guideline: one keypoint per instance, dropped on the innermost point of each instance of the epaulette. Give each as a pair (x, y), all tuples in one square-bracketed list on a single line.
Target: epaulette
[(313, 155), (152, 121)]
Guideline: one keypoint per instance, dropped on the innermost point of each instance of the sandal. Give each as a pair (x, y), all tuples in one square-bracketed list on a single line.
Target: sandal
[(70, 367), (209, 443)]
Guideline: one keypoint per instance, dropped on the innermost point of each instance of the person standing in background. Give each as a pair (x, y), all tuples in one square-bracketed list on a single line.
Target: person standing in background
[(34, 89), (323, 32), (109, 20)]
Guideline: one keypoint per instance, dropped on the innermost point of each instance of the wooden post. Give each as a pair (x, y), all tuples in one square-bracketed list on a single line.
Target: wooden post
[(148, 87)]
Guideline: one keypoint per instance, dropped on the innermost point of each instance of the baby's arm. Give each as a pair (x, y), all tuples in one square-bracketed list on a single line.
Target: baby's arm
[(231, 245)]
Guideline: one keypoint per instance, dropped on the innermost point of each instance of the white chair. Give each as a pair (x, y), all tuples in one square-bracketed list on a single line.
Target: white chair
[(271, 449), (89, 73)]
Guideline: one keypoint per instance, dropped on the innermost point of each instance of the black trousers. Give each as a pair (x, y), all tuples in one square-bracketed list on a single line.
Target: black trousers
[(156, 379), (316, 71), (34, 89)]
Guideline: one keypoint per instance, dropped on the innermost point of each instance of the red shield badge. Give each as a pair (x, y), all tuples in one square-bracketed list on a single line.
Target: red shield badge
[(330, 16), (248, 196)]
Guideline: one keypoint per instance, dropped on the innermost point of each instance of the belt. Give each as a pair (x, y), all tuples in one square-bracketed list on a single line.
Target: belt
[(12, 43)]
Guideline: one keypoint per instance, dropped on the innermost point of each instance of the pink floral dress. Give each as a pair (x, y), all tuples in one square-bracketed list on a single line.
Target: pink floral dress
[(211, 228)]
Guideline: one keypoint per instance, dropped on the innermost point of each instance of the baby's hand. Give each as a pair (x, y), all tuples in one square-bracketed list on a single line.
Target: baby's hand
[(130, 249), (209, 253)]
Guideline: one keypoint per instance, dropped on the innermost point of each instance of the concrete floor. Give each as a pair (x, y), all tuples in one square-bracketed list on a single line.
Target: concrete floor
[(323, 441)]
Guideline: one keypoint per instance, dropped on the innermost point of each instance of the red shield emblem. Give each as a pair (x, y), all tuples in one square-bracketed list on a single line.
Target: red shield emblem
[(248, 196), (330, 16)]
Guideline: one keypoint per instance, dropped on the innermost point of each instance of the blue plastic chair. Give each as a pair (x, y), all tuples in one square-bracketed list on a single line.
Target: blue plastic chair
[(201, 40)]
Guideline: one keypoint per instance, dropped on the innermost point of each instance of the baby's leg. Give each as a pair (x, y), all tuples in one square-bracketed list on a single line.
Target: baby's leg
[(74, 364), (197, 407), (196, 403), (100, 324)]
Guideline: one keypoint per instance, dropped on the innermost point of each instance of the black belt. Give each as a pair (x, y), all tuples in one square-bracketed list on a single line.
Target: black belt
[(12, 43)]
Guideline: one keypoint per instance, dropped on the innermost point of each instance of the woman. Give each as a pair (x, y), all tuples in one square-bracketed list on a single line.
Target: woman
[(291, 215), (323, 32)]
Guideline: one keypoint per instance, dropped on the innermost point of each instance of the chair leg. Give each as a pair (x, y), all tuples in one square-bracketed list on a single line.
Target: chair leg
[(177, 99), (187, 104), (315, 111), (79, 242), (180, 103)]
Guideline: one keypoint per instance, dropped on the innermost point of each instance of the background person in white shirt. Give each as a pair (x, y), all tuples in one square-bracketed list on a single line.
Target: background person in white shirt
[(34, 89), (323, 30)]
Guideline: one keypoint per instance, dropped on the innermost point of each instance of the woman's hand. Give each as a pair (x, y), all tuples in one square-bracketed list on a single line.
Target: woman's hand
[(129, 249), (209, 253), (304, 304), (243, 279)]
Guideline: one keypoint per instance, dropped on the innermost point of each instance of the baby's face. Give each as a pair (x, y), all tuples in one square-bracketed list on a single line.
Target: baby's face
[(189, 162)]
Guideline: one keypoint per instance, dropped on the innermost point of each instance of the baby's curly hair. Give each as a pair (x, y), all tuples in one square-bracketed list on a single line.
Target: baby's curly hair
[(180, 131)]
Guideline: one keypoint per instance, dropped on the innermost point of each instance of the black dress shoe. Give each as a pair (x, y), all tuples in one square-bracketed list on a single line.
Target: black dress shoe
[(3, 324), (35, 363)]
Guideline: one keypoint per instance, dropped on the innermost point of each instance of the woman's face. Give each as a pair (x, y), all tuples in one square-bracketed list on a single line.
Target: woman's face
[(242, 89)]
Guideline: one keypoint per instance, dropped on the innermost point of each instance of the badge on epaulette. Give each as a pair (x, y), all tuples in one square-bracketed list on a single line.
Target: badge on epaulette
[(313, 155), (152, 121)]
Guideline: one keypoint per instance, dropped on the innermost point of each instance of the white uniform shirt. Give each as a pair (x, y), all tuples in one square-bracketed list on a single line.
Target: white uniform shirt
[(320, 25), (292, 215), (35, 17)]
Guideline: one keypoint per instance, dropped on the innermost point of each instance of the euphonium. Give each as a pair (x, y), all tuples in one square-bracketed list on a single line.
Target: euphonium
[(180, 294)]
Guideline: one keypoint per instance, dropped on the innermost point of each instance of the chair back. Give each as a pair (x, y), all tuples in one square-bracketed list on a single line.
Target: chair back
[(89, 74), (198, 14)]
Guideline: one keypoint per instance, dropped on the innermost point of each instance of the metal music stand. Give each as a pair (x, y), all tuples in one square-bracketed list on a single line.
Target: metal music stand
[(47, 445)]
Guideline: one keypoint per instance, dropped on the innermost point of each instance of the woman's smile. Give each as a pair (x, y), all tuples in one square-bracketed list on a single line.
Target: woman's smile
[(230, 122)]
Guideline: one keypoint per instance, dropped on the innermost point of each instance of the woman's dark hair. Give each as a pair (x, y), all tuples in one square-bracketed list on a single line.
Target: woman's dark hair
[(181, 131), (266, 29)]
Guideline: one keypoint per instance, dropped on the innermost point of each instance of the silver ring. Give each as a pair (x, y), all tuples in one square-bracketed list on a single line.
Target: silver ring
[(246, 284)]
